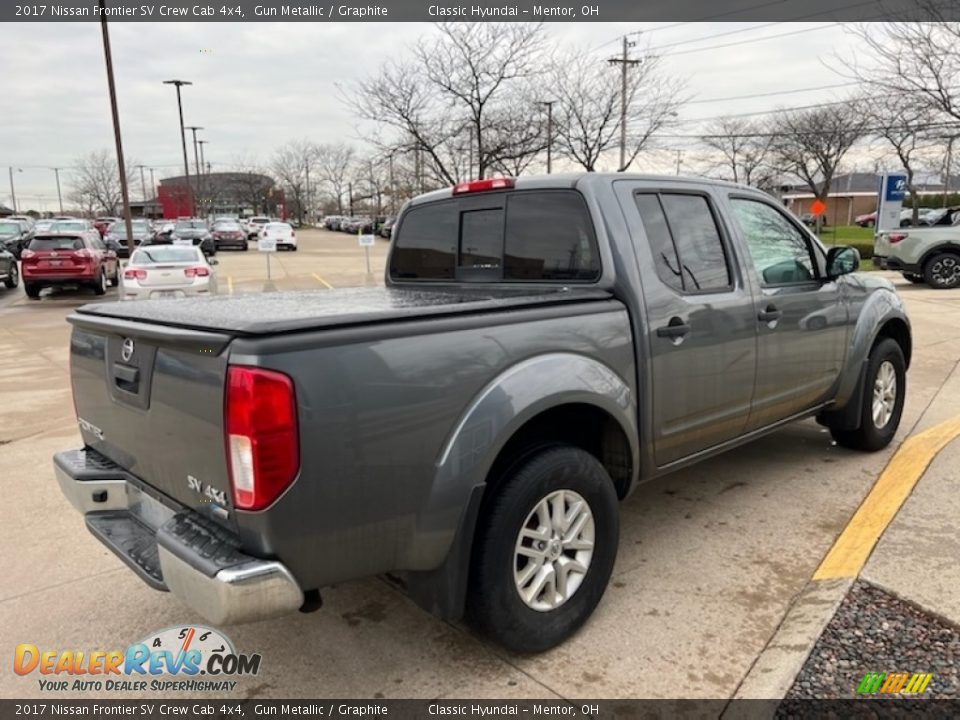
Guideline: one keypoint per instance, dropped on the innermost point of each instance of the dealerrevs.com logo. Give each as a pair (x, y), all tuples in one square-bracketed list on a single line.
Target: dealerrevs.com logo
[(200, 658)]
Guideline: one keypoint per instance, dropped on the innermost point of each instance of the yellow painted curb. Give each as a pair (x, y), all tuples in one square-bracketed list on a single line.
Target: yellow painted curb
[(851, 550), (323, 282)]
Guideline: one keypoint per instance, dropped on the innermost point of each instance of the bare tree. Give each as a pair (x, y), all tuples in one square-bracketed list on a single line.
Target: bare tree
[(587, 111), (333, 163), (811, 143), (744, 149), (95, 182), (458, 98), (291, 166), (904, 125), (918, 61)]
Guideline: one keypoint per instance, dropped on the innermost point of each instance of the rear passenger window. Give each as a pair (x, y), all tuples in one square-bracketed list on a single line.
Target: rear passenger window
[(531, 236), (661, 243), (685, 241)]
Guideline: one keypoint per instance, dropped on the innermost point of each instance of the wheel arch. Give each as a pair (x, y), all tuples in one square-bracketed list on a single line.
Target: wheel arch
[(948, 247), (548, 399)]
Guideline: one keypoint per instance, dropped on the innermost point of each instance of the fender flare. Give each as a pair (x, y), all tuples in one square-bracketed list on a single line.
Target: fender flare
[(505, 405)]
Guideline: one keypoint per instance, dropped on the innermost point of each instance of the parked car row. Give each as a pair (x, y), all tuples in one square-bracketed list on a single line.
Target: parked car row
[(357, 224), (926, 217)]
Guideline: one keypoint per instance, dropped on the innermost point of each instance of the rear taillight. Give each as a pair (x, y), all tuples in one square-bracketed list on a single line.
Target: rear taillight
[(482, 185), (894, 238), (134, 274), (263, 447), (27, 254), (198, 271)]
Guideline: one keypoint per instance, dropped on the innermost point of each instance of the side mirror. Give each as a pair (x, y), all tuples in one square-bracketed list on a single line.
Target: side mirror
[(842, 260)]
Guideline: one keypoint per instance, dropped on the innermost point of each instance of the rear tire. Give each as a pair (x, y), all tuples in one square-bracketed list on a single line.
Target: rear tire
[(13, 279), (884, 390), (100, 285), (32, 290), (942, 271), (563, 575)]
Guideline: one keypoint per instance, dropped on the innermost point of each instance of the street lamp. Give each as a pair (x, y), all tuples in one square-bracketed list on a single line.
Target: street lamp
[(183, 136), (203, 172), (13, 193)]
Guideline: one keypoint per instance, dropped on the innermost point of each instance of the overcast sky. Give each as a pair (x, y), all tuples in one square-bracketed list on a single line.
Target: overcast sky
[(257, 85)]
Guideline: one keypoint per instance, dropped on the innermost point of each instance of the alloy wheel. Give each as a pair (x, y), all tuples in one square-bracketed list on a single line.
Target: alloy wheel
[(553, 550)]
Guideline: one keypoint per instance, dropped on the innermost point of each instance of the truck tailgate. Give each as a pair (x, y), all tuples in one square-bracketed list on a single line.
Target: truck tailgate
[(150, 398)]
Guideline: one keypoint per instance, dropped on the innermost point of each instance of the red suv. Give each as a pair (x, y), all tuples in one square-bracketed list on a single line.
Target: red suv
[(68, 256)]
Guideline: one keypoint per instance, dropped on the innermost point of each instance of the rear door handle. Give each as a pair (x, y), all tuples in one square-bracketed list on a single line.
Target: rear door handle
[(676, 328), (770, 314)]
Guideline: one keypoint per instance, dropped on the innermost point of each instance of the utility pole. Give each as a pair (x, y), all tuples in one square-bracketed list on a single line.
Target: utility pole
[(59, 194), (625, 62), (124, 191), (679, 160), (549, 104), (13, 193), (183, 139)]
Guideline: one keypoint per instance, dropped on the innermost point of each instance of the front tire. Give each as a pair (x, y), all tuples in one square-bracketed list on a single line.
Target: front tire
[(545, 548), (942, 271), (883, 394)]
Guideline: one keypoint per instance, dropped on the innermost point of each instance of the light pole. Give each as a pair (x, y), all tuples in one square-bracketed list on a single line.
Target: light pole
[(203, 171), (13, 193), (196, 157), (143, 184), (549, 104), (59, 194), (183, 138)]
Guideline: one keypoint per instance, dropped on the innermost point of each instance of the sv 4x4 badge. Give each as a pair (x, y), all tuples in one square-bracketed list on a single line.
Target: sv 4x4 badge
[(208, 491)]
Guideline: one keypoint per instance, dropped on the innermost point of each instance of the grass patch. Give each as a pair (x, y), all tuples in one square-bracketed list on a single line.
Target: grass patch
[(854, 236)]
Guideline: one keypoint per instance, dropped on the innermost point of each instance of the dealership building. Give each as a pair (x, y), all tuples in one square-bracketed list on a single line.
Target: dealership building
[(218, 193)]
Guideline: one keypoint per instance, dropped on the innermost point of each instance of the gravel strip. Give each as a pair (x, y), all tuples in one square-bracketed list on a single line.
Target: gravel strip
[(873, 631)]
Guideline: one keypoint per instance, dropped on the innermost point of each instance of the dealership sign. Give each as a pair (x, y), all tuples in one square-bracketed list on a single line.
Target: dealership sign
[(893, 189)]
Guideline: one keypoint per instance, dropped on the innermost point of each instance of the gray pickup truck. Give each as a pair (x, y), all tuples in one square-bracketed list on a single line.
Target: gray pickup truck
[(541, 346)]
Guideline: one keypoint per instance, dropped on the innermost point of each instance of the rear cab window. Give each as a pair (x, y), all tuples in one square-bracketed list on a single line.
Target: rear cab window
[(515, 236), (56, 243)]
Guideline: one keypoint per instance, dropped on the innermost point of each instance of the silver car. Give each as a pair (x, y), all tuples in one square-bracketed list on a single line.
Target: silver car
[(168, 271)]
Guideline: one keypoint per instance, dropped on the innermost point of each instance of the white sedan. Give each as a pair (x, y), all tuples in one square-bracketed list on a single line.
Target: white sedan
[(281, 233), (168, 271)]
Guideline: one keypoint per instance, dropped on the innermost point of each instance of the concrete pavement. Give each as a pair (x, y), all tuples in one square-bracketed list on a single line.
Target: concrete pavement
[(712, 558)]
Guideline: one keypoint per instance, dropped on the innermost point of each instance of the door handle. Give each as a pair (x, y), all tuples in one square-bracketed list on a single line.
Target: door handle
[(676, 328), (770, 314)]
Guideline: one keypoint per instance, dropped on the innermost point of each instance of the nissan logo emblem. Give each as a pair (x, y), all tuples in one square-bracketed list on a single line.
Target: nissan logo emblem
[(127, 352)]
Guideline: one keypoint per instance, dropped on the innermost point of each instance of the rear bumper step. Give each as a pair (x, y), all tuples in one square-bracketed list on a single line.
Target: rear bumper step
[(173, 548)]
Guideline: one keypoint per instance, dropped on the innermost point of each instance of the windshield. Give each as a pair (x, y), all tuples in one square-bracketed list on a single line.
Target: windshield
[(69, 226), (164, 254), (228, 226), (191, 225), (278, 227), (120, 229), (9, 229), (56, 243)]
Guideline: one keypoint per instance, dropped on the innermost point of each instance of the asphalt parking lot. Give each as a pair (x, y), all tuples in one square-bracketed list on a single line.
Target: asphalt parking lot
[(711, 557)]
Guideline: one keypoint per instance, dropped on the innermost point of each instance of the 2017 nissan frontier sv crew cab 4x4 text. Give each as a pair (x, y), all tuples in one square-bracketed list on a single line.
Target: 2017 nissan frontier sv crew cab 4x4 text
[(540, 347)]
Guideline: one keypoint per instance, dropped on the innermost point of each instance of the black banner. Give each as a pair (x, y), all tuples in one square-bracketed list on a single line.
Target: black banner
[(453, 709), (478, 10)]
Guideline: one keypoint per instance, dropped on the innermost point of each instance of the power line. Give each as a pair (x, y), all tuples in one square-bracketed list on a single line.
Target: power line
[(751, 40), (771, 94)]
